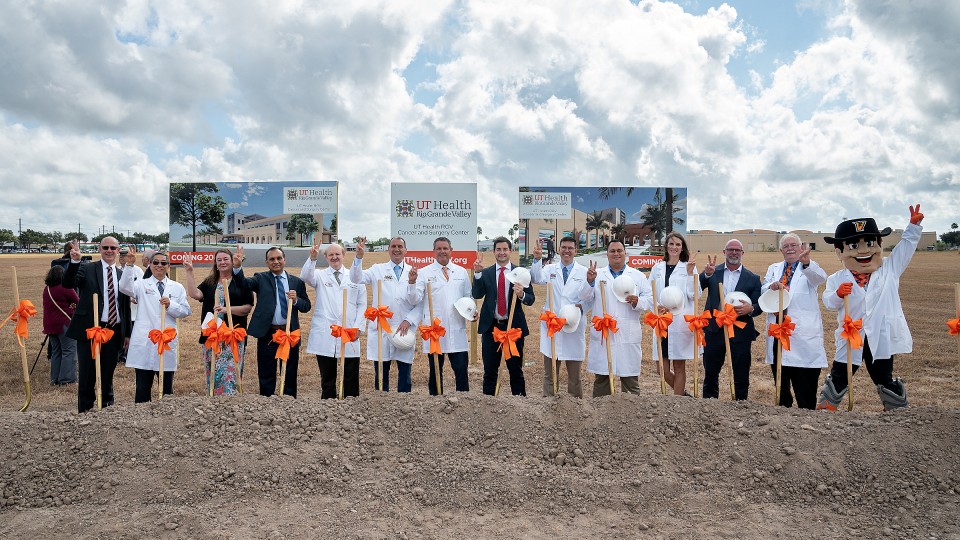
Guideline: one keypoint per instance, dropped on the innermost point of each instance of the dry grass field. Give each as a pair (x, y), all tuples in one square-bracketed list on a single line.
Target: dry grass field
[(931, 371)]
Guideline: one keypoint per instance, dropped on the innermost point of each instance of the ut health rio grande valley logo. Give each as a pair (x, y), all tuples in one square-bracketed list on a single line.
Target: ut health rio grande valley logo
[(527, 199), (405, 208)]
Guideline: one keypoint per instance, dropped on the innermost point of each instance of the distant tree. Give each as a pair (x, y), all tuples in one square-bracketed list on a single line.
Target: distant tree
[(196, 204), (162, 238), (608, 192), (30, 237), (7, 236), (210, 231), (618, 231), (659, 217), (595, 222), (303, 224), (75, 236), (954, 226), (333, 225), (951, 238)]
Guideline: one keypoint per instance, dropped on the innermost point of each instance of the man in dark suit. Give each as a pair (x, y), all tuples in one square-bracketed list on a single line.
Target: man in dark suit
[(491, 284), (113, 308), (732, 276), (274, 289)]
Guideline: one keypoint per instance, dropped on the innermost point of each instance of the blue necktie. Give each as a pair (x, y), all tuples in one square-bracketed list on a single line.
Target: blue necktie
[(565, 274), (160, 287), (282, 295), (396, 270)]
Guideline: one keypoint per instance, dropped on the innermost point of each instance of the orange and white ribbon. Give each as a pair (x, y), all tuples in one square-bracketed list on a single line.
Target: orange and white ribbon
[(284, 342), (606, 325), (346, 335), (851, 332), (782, 331), (211, 332), (433, 333), (162, 338), (659, 323), (22, 314), (696, 324), (954, 326), (554, 323), (381, 315), (508, 341), (98, 335), (233, 337), (728, 318)]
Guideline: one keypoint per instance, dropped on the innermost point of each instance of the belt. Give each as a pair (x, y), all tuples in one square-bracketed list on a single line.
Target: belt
[(500, 322), (278, 326)]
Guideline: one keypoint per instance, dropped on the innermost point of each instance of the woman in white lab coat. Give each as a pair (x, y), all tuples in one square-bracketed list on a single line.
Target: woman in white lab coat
[(679, 270)]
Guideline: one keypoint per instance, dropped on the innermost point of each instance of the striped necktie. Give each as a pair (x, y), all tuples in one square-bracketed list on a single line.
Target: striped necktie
[(112, 317)]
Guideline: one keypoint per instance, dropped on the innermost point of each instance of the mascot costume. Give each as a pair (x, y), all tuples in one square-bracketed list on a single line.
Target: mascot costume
[(872, 283)]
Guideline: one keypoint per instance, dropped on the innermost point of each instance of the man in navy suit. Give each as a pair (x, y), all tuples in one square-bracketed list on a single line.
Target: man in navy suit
[(491, 284), (113, 309), (274, 289), (732, 276)]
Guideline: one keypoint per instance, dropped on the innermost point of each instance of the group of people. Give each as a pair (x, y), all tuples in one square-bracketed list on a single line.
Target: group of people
[(437, 301)]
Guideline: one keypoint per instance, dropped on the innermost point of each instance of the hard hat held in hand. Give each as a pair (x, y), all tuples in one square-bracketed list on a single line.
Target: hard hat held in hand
[(623, 286), (571, 313), (466, 307), (519, 275), (770, 301), (736, 298), (404, 343), (673, 299)]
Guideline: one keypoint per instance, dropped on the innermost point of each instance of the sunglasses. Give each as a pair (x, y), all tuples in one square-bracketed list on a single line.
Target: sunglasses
[(109, 248), (159, 263)]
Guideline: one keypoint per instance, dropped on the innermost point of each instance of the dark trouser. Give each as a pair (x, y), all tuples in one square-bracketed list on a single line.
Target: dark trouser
[(267, 367), (404, 381), (880, 370), (145, 378), (714, 356), (805, 383), (491, 363), (458, 363), (328, 376), (63, 359), (87, 370)]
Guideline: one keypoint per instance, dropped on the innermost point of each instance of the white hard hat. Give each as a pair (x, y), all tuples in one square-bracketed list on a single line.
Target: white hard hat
[(623, 286), (519, 275), (770, 301), (406, 342), (571, 313), (673, 299), (466, 307), (737, 297)]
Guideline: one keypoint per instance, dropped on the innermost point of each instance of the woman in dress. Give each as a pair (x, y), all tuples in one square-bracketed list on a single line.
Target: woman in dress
[(210, 293), (58, 305), (679, 270)]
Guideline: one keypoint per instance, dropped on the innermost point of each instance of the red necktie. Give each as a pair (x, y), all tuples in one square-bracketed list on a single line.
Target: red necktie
[(785, 279), (502, 292), (446, 275)]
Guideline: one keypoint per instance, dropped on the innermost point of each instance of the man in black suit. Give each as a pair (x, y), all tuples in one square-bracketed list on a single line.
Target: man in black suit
[(732, 276), (274, 289), (491, 284), (113, 308)]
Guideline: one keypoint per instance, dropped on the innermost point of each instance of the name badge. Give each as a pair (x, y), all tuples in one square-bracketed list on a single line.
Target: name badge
[(327, 284), (388, 277), (553, 276)]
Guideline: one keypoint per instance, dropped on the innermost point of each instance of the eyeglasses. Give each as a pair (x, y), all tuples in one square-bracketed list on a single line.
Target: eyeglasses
[(159, 263), (109, 248), (734, 250)]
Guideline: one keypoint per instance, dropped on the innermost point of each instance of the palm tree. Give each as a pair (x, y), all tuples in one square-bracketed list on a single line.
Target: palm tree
[(595, 222), (618, 231), (607, 192), (660, 217)]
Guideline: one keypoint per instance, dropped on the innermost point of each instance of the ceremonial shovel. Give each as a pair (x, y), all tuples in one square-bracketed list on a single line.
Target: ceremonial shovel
[(23, 346), (603, 305), (436, 357)]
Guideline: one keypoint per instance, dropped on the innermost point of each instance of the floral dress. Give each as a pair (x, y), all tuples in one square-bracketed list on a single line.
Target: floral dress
[(225, 372)]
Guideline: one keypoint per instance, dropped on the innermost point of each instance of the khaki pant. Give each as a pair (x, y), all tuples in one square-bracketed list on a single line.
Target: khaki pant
[(601, 385), (574, 385)]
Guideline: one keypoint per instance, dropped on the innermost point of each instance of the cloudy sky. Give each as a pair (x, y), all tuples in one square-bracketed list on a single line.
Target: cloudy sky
[(774, 114)]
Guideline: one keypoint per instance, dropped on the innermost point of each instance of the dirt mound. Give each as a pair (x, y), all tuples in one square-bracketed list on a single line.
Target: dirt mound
[(388, 466)]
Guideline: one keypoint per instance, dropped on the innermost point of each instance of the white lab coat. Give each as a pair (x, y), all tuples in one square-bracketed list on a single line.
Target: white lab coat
[(806, 343), (445, 293), (680, 339), (884, 325), (395, 297), (570, 346), (328, 309), (142, 353), (625, 343)]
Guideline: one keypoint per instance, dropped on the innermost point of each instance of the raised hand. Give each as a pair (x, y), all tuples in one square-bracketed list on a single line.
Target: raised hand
[(361, 243), (804, 253), (315, 250), (188, 263), (478, 263), (238, 257), (711, 266), (538, 250), (412, 276), (75, 254), (915, 216), (131, 256), (692, 264), (592, 272)]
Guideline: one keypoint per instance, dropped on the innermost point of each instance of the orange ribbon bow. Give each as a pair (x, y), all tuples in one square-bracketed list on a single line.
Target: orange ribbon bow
[(211, 332), (380, 314), (659, 323), (233, 337), (782, 331), (954, 326), (851, 331), (346, 335), (696, 325), (508, 338), (285, 341), (554, 323), (433, 334), (98, 335), (163, 338), (728, 318), (21, 314), (605, 325)]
